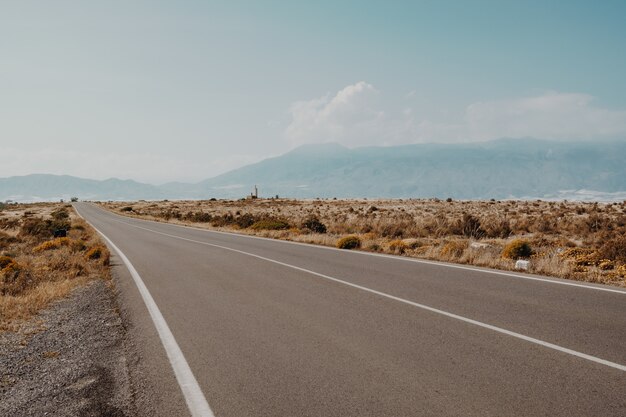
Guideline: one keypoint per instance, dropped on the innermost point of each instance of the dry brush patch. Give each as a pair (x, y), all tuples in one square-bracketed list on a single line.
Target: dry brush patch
[(35, 267), (574, 240)]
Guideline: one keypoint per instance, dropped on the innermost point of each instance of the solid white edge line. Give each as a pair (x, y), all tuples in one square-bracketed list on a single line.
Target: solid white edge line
[(411, 303), (196, 402), (558, 281)]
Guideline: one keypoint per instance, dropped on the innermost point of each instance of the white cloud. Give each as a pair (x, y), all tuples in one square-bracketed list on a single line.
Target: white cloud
[(349, 117), (355, 116), (551, 115)]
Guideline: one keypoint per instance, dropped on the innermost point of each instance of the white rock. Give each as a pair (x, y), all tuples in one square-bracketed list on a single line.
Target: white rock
[(522, 265), (478, 245)]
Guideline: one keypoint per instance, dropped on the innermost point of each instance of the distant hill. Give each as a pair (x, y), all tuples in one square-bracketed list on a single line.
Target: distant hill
[(44, 187), (506, 168)]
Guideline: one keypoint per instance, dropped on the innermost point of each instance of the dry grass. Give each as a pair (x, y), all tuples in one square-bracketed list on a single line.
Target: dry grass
[(37, 268), (470, 232)]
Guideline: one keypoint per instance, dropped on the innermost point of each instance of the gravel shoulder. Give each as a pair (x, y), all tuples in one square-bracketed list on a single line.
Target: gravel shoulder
[(70, 360)]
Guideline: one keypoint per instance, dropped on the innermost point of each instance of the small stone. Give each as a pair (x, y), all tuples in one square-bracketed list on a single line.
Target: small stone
[(479, 245)]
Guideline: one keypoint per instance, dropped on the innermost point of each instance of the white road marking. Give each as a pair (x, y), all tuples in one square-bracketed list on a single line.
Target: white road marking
[(196, 402), (414, 304), (558, 281)]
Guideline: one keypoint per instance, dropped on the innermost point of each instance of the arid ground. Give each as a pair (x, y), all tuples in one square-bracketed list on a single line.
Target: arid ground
[(574, 240), (63, 349), (35, 267)]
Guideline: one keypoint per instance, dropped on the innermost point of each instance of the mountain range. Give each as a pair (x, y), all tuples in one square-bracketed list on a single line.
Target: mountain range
[(505, 168)]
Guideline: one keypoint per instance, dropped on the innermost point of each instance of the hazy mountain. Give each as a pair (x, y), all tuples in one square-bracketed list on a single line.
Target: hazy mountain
[(44, 187), (497, 169), (504, 168)]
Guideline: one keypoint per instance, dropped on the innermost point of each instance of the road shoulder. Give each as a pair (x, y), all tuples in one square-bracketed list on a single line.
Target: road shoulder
[(69, 360)]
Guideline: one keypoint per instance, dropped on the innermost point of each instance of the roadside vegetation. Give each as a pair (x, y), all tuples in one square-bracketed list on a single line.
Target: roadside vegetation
[(36, 267), (574, 240)]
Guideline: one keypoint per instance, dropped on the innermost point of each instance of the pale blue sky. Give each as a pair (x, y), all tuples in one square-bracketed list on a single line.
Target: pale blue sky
[(183, 90)]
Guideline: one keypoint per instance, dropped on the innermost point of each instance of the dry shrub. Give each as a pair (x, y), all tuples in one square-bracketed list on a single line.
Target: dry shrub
[(497, 228), (35, 269), (397, 246), (78, 245), (423, 250), (6, 240), (68, 266), (453, 249), (471, 227), (14, 279), (580, 256), (40, 228), (37, 227), (60, 214), (544, 224), (197, 217), (516, 249), (52, 244), (412, 243), (548, 226), (270, 224), (614, 249), (606, 264), (314, 225), (246, 220), (374, 247), (98, 252), (393, 230), (9, 223), (5, 261), (349, 242)]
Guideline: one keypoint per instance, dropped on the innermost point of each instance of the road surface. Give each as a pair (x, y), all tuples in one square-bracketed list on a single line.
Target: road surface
[(272, 328)]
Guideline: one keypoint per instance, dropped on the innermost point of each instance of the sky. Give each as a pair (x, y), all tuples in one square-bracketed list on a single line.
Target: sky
[(161, 91)]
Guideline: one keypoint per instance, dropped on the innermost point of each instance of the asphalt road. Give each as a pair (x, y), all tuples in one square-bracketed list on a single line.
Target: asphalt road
[(271, 328)]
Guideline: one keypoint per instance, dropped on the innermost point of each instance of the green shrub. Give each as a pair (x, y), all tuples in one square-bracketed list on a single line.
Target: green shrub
[(518, 248), (349, 242), (270, 224)]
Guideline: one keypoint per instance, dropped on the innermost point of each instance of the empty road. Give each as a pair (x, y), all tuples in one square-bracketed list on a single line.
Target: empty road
[(243, 326)]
